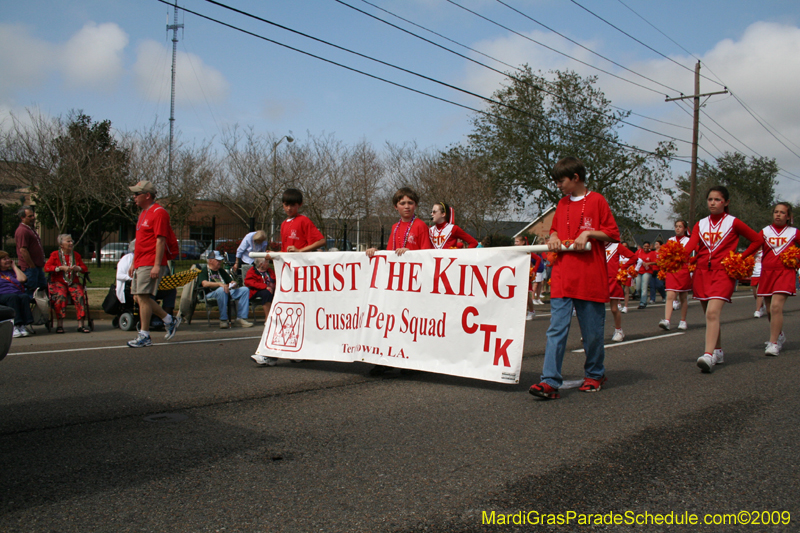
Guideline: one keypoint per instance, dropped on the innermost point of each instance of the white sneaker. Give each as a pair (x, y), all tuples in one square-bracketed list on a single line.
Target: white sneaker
[(264, 360), (529, 315), (781, 340), (682, 325), (706, 362), (538, 302), (242, 323), (772, 349), (676, 305), (624, 309), (719, 355), (761, 311), (619, 336), (619, 306), (17, 332), (223, 324), (664, 324)]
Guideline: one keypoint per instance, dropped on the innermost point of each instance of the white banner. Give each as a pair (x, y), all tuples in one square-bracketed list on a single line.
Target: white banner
[(457, 312)]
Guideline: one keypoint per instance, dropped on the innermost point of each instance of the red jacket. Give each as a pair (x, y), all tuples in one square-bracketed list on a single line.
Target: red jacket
[(57, 276), (256, 280)]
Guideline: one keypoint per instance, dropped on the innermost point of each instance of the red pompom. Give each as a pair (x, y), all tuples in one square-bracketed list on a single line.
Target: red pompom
[(738, 268), (791, 257), (671, 257)]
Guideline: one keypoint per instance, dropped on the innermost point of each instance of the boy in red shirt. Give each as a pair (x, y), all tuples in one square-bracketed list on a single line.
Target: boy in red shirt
[(298, 233), (410, 232), (579, 280)]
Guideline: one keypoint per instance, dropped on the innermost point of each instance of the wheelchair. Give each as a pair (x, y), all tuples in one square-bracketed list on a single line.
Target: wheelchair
[(126, 315)]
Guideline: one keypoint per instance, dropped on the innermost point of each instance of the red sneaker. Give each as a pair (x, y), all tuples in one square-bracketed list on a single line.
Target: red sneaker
[(592, 385), (543, 390)]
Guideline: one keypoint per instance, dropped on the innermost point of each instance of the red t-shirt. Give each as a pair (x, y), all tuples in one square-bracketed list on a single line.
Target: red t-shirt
[(716, 236), (582, 275), (298, 232), (418, 238), (153, 223), (26, 237), (444, 236), (646, 257)]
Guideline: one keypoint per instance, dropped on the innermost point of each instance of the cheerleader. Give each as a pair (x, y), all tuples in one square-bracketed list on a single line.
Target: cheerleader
[(627, 285), (615, 251), (713, 238), (445, 234), (777, 281), (678, 283)]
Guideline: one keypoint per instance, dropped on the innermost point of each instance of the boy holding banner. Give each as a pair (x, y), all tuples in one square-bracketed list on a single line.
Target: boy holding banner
[(578, 280)]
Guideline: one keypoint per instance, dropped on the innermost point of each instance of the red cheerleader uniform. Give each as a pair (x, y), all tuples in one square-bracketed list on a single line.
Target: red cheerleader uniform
[(777, 278), (713, 239), (680, 281), (615, 252), (446, 235)]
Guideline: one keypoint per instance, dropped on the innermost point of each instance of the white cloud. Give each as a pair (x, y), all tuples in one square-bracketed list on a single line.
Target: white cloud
[(196, 82), (24, 60), (92, 58)]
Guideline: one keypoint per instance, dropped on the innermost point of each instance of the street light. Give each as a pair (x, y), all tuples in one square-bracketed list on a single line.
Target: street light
[(289, 139)]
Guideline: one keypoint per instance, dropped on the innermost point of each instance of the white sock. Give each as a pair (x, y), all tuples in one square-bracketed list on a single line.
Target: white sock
[(145, 333), (168, 319)]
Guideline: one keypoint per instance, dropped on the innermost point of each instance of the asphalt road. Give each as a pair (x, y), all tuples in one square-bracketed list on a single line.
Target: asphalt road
[(192, 436)]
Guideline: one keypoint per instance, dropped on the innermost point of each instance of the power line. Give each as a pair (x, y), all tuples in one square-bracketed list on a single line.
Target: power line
[(554, 95), (553, 49), (585, 47), (480, 53), (206, 17), (638, 41), (747, 108)]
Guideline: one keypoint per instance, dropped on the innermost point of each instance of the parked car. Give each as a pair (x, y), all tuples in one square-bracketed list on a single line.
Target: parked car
[(112, 252), (339, 244), (191, 249)]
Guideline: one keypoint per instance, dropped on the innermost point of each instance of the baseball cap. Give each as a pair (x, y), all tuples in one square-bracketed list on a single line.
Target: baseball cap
[(214, 254), (144, 186)]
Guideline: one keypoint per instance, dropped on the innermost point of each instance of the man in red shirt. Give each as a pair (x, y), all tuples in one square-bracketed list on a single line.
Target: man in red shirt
[(30, 251), (149, 260)]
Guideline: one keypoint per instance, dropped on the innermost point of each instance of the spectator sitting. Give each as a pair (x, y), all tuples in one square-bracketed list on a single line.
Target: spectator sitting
[(64, 265), (167, 298), (12, 294), (217, 284), (255, 241), (261, 282)]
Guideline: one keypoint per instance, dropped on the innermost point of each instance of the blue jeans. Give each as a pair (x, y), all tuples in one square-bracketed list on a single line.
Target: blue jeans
[(36, 279), (240, 294), (592, 321), (642, 287), (657, 286)]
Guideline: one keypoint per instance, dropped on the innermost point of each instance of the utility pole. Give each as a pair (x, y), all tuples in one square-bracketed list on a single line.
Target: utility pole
[(174, 27), (695, 134)]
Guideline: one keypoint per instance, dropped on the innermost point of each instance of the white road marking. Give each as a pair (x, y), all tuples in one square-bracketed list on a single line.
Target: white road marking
[(637, 340), (128, 347)]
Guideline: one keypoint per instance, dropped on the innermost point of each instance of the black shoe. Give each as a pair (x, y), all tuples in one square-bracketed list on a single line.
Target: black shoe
[(641, 306)]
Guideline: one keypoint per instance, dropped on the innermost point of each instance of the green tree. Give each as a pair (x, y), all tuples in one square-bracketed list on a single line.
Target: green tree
[(751, 183), (536, 122)]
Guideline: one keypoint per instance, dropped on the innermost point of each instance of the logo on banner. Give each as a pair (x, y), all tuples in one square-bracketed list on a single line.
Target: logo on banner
[(287, 328)]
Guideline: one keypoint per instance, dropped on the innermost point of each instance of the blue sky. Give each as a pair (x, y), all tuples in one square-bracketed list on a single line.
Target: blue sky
[(111, 59)]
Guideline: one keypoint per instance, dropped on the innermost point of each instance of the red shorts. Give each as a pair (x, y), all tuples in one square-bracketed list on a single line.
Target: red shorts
[(615, 291), (680, 281), (779, 281), (712, 285)]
